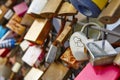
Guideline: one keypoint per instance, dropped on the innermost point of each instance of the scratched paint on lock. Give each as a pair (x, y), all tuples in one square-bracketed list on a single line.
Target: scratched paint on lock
[(100, 3)]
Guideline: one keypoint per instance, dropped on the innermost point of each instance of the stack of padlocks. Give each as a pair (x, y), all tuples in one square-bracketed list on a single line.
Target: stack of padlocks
[(51, 40)]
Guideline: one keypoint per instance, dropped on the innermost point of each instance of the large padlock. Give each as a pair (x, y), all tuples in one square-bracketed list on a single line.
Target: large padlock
[(39, 31), (100, 56), (78, 41)]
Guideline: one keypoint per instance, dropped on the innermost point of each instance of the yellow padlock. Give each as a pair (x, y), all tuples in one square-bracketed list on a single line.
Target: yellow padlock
[(100, 3)]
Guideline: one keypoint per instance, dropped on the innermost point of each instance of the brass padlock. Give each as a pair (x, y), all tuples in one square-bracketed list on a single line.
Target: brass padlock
[(45, 9), (67, 9), (7, 17), (56, 71), (70, 59), (64, 35), (111, 13), (14, 25), (3, 10), (39, 31), (27, 20)]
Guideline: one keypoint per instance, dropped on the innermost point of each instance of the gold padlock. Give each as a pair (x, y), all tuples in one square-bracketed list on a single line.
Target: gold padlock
[(27, 20), (45, 10), (3, 10), (39, 31), (70, 59), (56, 71), (14, 25), (111, 13), (64, 34), (67, 9)]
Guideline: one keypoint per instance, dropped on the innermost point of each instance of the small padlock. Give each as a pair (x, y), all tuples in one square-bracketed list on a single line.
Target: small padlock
[(67, 9), (70, 59), (41, 29), (14, 25), (117, 58), (58, 72), (27, 20), (29, 75), (32, 54), (64, 35), (20, 9), (3, 31), (111, 13), (16, 67), (51, 53), (3, 10)]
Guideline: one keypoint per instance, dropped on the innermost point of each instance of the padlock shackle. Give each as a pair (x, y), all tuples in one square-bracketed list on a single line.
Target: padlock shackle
[(91, 24)]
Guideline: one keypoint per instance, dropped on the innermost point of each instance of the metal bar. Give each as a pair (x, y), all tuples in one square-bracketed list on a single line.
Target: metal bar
[(106, 31)]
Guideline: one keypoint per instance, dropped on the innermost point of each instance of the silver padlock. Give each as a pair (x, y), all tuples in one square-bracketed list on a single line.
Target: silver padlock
[(100, 56), (78, 41), (51, 54)]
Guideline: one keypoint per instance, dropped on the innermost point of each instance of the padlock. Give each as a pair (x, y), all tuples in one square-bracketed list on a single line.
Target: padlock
[(7, 17), (16, 67), (32, 54), (64, 35), (20, 9), (40, 5), (3, 30), (116, 61), (70, 59), (27, 20), (5, 69), (90, 72), (100, 56), (41, 29), (10, 3), (38, 73), (14, 25), (45, 10), (24, 45), (51, 53), (111, 13), (78, 41), (56, 71), (67, 9), (3, 10)]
